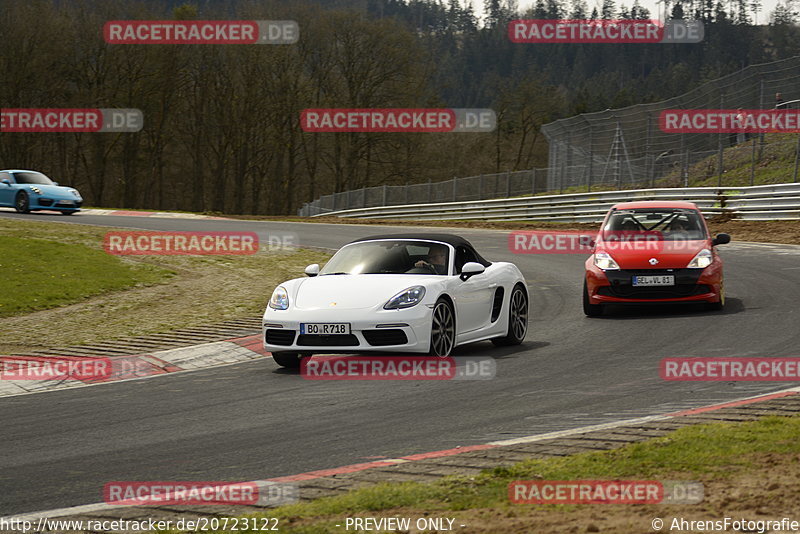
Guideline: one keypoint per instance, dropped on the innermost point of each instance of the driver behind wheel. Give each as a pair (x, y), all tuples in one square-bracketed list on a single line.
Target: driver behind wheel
[(436, 261), (679, 228)]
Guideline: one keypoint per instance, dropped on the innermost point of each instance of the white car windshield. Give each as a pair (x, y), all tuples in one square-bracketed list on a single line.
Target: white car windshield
[(390, 257)]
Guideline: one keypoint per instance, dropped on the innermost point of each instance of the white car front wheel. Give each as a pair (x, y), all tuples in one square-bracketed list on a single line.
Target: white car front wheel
[(517, 318), (290, 360), (443, 329)]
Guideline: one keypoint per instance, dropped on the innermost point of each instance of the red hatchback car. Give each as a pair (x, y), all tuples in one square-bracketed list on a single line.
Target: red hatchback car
[(654, 252)]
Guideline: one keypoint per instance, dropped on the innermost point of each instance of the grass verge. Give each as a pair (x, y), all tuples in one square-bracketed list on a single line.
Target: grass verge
[(141, 294), (39, 274), (752, 466)]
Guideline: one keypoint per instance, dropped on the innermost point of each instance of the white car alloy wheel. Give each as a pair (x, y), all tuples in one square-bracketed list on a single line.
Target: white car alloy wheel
[(287, 359), (518, 320), (443, 329)]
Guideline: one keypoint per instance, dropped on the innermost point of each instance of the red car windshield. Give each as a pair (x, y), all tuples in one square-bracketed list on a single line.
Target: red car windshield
[(665, 224)]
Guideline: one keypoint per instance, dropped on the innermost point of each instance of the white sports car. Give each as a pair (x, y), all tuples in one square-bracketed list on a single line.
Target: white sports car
[(398, 293)]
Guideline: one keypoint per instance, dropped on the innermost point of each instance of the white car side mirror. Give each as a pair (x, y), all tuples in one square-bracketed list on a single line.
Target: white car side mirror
[(471, 269), (313, 269)]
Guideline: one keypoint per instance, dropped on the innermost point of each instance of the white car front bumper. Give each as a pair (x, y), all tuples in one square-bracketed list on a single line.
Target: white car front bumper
[(371, 330)]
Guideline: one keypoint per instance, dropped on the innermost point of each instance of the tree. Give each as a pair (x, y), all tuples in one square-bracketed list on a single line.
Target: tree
[(638, 12), (608, 9), (579, 9)]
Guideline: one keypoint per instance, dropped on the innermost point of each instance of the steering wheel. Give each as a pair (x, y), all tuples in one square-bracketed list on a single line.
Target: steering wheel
[(422, 269), (430, 267)]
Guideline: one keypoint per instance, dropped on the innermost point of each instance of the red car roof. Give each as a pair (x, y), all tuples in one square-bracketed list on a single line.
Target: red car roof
[(655, 204)]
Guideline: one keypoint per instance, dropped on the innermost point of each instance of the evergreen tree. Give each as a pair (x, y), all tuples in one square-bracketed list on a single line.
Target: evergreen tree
[(579, 10), (607, 10)]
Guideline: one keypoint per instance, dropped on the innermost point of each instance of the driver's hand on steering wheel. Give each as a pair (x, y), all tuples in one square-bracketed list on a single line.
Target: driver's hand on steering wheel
[(422, 263)]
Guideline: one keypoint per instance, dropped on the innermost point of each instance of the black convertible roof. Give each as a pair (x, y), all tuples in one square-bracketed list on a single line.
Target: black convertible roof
[(450, 239)]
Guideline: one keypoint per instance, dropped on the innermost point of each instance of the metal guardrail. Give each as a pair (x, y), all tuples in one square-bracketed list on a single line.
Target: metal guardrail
[(760, 202)]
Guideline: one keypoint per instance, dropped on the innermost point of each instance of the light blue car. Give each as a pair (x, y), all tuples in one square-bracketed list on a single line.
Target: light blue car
[(28, 191)]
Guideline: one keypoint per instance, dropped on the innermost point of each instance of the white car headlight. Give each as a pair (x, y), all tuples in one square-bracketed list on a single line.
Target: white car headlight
[(604, 261), (406, 298), (703, 259), (279, 299)]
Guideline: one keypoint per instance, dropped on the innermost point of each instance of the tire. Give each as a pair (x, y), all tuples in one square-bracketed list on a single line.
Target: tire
[(22, 203), (517, 319), (443, 329), (591, 310), (67, 212), (720, 304), (290, 360)]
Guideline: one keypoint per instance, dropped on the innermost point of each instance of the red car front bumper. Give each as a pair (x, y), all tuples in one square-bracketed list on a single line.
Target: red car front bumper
[(691, 285)]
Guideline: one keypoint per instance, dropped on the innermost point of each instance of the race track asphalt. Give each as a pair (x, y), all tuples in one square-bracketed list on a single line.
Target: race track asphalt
[(256, 421)]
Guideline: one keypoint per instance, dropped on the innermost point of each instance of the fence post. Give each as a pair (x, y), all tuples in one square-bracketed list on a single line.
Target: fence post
[(569, 161), (685, 170), (455, 181), (508, 184), (796, 158), (684, 162), (430, 191), (591, 160), (720, 149), (406, 191), (761, 134), (647, 156), (385, 187), (753, 163), (480, 187), (533, 182)]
